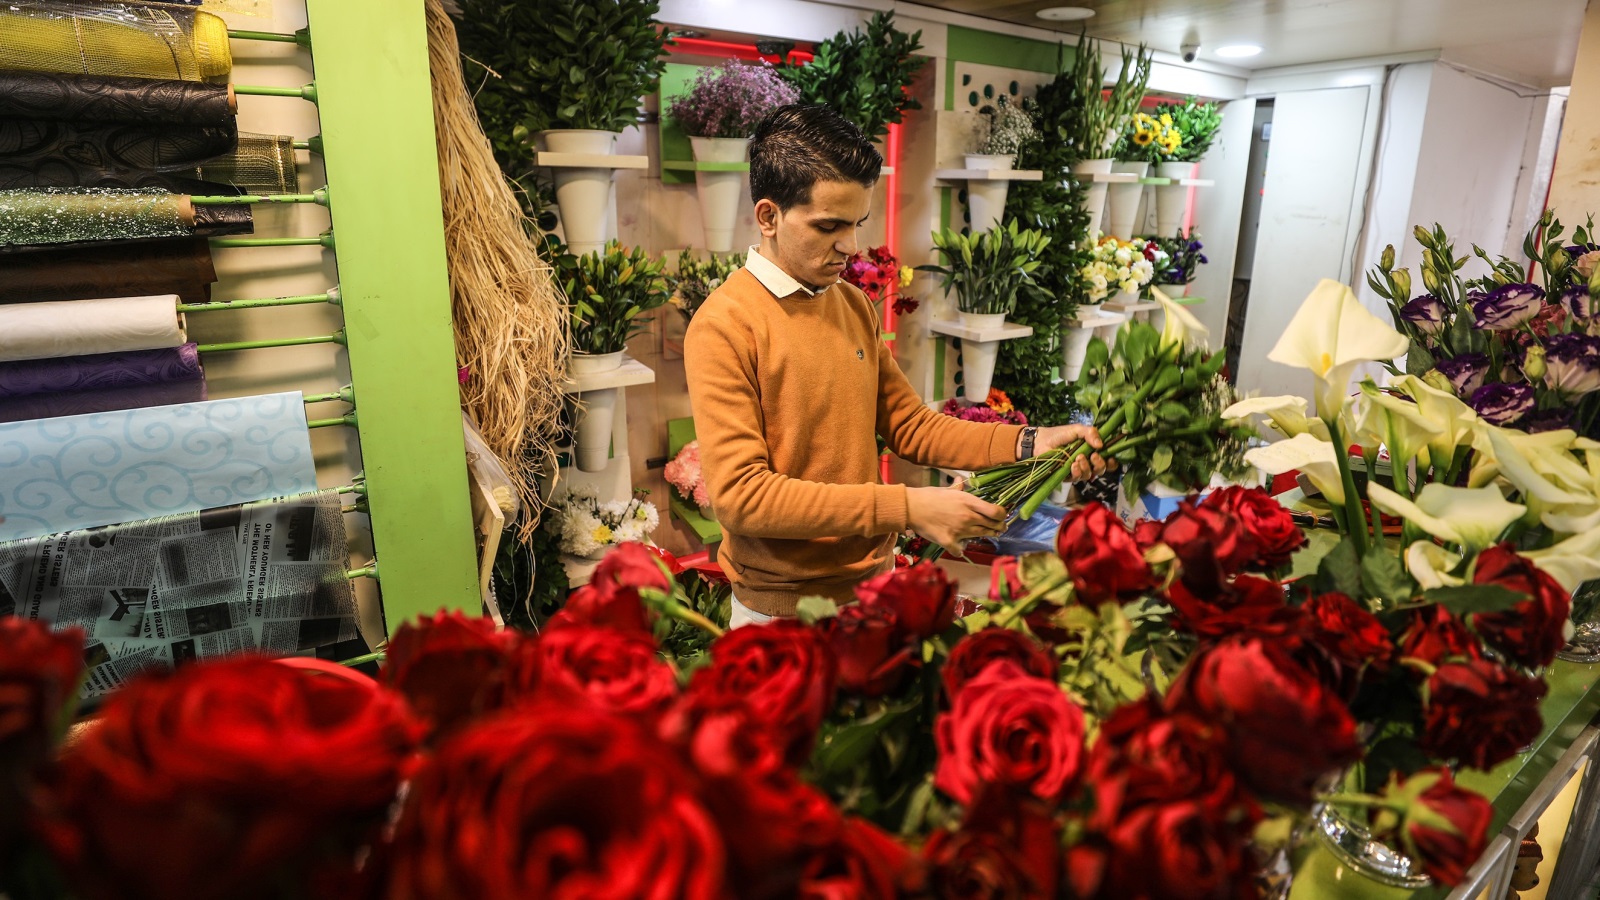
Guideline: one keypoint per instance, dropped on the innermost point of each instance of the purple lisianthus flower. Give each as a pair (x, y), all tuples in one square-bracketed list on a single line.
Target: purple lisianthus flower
[(1466, 372), (1548, 420), (1425, 313), (1509, 306), (1578, 302), (1572, 364), (1503, 404)]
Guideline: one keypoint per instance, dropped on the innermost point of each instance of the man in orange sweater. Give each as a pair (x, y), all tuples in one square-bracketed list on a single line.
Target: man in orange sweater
[(790, 382)]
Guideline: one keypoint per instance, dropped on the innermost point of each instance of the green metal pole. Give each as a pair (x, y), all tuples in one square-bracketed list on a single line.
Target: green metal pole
[(346, 394), (332, 296), (307, 92), (375, 97), (301, 37), (348, 418), (325, 240), (319, 197), (335, 338)]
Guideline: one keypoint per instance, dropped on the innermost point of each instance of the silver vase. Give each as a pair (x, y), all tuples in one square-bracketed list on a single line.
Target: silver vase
[(1355, 846)]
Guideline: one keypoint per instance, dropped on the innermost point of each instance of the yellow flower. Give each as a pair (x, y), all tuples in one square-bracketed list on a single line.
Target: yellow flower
[(1166, 120), (601, 534), (1143, 138), (905, 276)]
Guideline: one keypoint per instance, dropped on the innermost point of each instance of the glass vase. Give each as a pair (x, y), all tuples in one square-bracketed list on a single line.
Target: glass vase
[(1350, 841), (1585, 644)]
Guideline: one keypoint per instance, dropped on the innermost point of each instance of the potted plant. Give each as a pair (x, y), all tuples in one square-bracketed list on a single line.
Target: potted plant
[(571, 74), (696, 279), (606, 294), (863, 75), (1104, 116), (1114, 267), (986, 270), (719, 113), (1003, 128), (1146, 141), (1198, 123)]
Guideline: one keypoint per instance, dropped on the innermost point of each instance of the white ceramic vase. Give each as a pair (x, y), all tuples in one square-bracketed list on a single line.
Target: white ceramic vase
[(719, 190), (1094, 194), (1172, 200), (1125, 198), (583, 195), (1075, 344), (986, 200), (977, 357), (596, 411)]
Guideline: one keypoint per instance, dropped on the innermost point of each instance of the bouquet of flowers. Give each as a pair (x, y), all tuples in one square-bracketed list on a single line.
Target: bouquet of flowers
[(1119, 266), (696, 279), (1149, 139), (996, 409), (1182, 261), (1006, 127), (1157, 400), (589, 527), (684, 474), (731, 99), (1197, 122), (1521, 354), (879, 275)]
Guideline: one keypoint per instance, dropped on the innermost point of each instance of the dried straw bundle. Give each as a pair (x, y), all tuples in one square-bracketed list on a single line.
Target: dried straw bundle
[(511, 325)]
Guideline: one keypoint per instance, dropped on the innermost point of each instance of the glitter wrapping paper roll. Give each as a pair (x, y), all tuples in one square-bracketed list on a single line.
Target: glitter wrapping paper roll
[(90, 214), (76, 403), (181, 266), (100, 372), (113, 39), (110, 100), (84, 327)]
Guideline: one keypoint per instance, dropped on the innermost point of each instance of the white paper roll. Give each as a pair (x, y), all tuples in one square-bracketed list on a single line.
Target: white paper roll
[(81, 327)]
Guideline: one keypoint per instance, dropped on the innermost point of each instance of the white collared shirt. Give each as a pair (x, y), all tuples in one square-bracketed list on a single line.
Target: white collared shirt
[(773, 278)]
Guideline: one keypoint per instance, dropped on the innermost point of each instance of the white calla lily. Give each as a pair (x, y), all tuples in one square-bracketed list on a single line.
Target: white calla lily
[(1314, 458), (1567, 520), (1514, 459), (1179, 326), (1445, 410), (1572, 561), (1332, 334), (1471, 517), (1430, 565), (1286, 413)]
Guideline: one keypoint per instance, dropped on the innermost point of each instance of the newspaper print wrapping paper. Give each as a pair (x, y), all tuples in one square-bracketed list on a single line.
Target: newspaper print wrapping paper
[(83, 327), (267, 576), (99, 469)]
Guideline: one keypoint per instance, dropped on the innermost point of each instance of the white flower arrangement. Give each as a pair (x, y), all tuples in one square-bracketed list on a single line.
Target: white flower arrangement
[(1116, 265), (588, 527), (1004, 127)]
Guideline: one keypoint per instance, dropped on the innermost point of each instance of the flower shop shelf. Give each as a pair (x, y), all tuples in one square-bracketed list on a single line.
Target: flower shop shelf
[(630, 373), (1180, 182), (590, 161), (1096, 319), (989, 175), (1107, 177), (709, 531), (953, 328), (1142, 306), (690, 165)]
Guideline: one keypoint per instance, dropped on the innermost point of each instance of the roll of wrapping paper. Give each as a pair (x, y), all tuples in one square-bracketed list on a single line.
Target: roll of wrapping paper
[(100, 372), (91, 214), (262, 164), (83, 327), (219, 221), (181, 266), (112, 100), (75, 403), (56, 174), (103, 38)]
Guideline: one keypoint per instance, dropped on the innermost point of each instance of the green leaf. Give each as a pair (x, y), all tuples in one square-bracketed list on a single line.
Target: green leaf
[(1340, 571), (1384, 577), (845, 746), (812, 610), (1474, 598), (1160, 459), (1038, 569)]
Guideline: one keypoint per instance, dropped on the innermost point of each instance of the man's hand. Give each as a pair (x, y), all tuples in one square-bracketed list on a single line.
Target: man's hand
[(950, 516), (1084, 467)]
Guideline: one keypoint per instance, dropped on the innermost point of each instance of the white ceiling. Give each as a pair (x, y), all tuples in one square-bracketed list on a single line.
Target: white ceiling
[(1533, 42)]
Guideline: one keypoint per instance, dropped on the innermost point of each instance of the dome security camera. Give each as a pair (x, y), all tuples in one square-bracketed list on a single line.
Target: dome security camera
[(1190, 50)]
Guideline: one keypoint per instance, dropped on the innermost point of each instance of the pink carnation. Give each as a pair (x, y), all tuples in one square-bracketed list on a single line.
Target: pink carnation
[(684, 474)]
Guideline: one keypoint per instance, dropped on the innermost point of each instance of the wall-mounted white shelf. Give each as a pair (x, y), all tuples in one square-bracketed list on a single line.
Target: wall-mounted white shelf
[(590, 161), (1141, 306), (1107, 177), (1093, 317), (630, 373), (953, 328), (1180, 182), (988, 175)]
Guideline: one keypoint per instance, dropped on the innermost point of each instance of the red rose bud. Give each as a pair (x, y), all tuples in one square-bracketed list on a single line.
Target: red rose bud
[(971, 655), (1272, 535), (1010, 730), (1435, 636), (1006, 848), (781, 676), (1350, 634), (922, 597), (1480, 713), (1146, 755), (284, 774), (666, 557), (1246, 603), (1210, 544), (452, 668), (610, 669), (1005, 580), (1102, 557), (556, 801), (1286, 728), (1444, 826), (1176, 850), (1532, 631), (873, 655), (1147, 533)]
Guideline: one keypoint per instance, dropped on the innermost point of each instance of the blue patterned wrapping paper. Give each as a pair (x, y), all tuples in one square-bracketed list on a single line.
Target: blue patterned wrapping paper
[(84, 471)]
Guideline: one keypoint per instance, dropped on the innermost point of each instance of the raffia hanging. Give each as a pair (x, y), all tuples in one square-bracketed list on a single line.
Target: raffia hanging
[(511, 326)]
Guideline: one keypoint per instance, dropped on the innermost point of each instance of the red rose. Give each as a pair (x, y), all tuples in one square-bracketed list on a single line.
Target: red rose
[(1445, 827), (1350, 634), (922, 597), (1147, 533), (1012, 730), (1272, 536), (861, 863), (1209, 543), (781, 675), (1532, 631), (667, 559), (283, 773), (975, 653), (1221, 609), (973, 864), (1146, 755), (1175, 850), (1285, 727), (452, 668), (1436, 636), (635, 565), (39, 674), (555, 801), (872, 653), (1480, 713), (611, 598), (615, 670), (1105, 563), (1005, 580)]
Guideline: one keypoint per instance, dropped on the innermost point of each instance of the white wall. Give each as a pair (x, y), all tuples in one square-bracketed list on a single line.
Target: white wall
[(1218, 213)]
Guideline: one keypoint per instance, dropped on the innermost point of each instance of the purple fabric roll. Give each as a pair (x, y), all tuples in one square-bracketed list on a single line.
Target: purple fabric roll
[(101, 372), (72, 403)]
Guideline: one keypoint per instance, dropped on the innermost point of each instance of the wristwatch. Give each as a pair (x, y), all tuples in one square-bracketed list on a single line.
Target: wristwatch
[(1029, 432)]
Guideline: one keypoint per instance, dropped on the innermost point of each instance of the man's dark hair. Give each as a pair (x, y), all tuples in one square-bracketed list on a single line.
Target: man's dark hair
[(797, 146)]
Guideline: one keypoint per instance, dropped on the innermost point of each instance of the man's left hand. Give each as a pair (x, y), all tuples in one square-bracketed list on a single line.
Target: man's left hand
[(1084, 467)]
